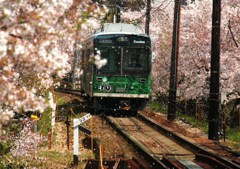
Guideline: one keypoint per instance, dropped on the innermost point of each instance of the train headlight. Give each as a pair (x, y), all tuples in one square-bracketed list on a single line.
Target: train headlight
[(104, 79)]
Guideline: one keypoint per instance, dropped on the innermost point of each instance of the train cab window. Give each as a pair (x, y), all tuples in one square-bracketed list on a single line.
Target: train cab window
[(113, 60), (135, 60)]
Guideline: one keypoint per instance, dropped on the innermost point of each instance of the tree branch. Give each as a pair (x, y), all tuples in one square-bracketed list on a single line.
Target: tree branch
[(230, 29)]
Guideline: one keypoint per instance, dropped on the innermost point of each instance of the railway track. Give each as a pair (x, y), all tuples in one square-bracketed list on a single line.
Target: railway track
[(166, 150), (160, 147)]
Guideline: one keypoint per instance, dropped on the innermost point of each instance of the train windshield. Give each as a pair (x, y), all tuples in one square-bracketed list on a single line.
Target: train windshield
[(124, 60), (135, 60), (113, 60), (125, 55)]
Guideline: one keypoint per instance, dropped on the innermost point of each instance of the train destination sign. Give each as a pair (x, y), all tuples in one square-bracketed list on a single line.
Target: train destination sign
[(82, 119), (139, 41), (105, 41), (121, 39)]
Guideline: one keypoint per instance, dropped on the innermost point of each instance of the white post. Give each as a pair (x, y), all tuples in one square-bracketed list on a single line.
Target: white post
[(76, 123), (53, 113), (53, 107), (114, 18), (75, 142)]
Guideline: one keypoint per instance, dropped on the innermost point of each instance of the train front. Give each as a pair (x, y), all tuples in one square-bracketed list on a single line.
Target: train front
[(124, 82)]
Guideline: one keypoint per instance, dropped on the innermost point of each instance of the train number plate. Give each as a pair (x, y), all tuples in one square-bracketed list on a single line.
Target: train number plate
[(105, 88)]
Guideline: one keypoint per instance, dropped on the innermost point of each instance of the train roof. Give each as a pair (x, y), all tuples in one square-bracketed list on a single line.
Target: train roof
[(119, 28)]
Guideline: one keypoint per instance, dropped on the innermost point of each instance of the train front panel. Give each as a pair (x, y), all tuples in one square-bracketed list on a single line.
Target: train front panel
[(124, 82)]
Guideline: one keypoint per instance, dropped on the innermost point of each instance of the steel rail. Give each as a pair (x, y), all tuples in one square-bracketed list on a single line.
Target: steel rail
[(156, 163), (191, 146)]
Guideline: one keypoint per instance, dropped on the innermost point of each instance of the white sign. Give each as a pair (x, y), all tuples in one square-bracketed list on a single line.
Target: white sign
[(138, 41), (75, 138), (76, 123), (81, 120)]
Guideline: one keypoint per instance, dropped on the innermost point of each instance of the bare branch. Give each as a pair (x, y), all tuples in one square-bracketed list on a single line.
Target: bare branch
[(230, 29)]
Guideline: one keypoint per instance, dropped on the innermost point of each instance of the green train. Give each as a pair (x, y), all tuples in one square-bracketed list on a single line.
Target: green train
[(123, 83)]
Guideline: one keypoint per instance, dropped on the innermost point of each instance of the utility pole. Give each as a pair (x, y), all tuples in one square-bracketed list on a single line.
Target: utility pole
[(214, 98), (174, 63), (148, 17), (116, 13)]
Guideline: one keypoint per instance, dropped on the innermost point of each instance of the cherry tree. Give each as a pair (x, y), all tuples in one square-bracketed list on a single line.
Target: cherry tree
[(230, 50), (195, 46), (36, 43)]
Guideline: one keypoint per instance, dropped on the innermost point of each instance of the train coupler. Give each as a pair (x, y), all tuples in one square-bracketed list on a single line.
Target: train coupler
[(125, 105)]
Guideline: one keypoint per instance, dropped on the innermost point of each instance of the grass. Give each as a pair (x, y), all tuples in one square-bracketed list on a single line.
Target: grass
[(44, 124), (158, 107), (232, 139), (202, 124), (233, 135), (60, 157), (56, 159)]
